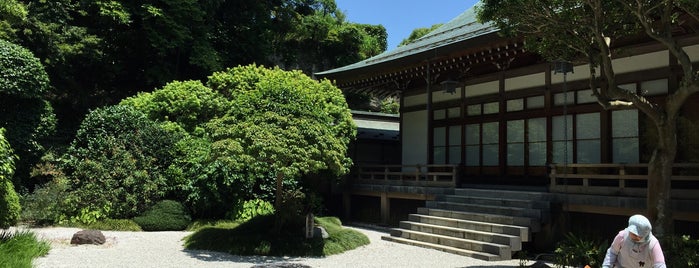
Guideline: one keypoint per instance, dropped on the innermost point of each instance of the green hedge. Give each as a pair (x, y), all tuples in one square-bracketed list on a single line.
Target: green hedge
[(166, 215)]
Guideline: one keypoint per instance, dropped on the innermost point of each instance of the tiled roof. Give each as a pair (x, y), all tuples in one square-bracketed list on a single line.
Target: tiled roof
[(463, 27)]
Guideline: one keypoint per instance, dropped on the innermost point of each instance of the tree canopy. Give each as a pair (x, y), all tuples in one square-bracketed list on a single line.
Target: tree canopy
[(593, 32), (418, 33), (99, 52)]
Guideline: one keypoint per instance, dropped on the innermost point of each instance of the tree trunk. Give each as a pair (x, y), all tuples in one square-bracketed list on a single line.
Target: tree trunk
[(660, 178), (278, 199)]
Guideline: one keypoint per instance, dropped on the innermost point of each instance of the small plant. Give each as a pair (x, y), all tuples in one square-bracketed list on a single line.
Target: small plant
[(577, 252), (166, 215), (46, 205), (681, 251), (9, 201), (18, 249)]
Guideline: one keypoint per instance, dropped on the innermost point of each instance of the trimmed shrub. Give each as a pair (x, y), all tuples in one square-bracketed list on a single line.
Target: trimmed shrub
[(9, 201), (119, 160), (166, 215)]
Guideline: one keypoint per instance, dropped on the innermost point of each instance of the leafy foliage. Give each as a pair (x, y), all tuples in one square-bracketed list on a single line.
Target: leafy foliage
[(166, 215), (9, 201), (46, 204), (681, 251), (246, 210), (29, 123), (9, 205), (188, 104), (118, 163), (577, 251)]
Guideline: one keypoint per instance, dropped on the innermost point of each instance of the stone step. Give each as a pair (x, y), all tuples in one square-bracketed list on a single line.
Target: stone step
[(521, 231), (453, 250), (496, 201), (506, 194), (515, 242), (489, 209), (503, 251), (533, 224)]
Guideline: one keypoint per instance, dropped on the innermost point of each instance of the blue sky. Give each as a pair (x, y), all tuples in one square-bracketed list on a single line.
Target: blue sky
[(401, 17)]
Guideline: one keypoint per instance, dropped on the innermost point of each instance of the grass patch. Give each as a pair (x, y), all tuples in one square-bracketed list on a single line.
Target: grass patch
[(255, 237), (20, 248)]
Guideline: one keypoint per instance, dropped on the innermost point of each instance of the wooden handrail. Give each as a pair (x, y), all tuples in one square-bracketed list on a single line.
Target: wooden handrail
[(418, 175), (619, 179)]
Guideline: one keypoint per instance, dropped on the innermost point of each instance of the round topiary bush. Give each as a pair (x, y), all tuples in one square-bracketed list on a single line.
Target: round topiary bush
[(166, 215), (21, 73)]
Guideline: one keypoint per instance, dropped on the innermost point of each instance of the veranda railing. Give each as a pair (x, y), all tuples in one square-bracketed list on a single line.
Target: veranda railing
[(409, 175), (620, 179)]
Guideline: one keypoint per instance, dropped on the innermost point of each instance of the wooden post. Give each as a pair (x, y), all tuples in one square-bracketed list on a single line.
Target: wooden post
[(310, 225), (622, 174), (347, 201), (385, 208)]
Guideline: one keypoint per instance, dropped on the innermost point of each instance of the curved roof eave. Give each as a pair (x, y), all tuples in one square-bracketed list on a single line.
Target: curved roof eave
[(462, 28)]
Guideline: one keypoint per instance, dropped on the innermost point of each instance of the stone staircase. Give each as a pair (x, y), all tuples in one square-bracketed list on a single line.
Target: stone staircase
[(486, 224)]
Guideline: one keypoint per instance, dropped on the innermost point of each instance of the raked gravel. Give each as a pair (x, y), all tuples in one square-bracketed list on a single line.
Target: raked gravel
[(165, 249)]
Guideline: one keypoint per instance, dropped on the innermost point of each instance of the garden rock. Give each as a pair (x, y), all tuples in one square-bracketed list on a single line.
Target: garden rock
[(319, 231), (93, 237)]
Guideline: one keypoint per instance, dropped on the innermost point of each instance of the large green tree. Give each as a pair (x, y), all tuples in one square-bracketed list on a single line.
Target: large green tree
[(587, 31), (282, 123)]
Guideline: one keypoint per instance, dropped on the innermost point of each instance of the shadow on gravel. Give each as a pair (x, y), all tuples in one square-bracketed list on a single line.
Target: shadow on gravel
[(260, 261)]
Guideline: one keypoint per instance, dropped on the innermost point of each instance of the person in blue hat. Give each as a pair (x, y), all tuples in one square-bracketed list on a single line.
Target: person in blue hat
[(635, 247)]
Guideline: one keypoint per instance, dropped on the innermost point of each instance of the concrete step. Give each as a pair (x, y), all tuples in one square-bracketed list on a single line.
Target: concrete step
[(489, 209), (515, 242), (453, 250), (533, 224), (503, 251), (520, 231)]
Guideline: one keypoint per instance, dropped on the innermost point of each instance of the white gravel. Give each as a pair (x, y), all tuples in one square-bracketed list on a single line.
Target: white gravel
[(164, 249)]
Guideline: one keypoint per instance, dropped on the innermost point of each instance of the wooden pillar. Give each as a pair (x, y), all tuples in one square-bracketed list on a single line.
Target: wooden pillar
[(347, 204), (385, 208)]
